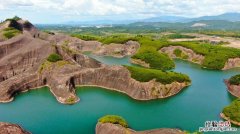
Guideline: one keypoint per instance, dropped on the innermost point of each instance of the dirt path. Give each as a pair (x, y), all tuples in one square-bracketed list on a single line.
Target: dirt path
[(232, 42)]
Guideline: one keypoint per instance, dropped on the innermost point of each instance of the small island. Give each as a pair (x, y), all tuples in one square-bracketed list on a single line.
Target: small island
[(232, 112), (113, 124)]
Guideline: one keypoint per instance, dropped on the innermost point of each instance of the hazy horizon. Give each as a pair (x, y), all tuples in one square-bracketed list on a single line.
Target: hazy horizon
[(60, 11)]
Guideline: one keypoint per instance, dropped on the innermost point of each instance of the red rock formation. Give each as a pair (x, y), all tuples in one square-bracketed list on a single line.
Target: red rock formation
[(233, 89), (23, 66), (7, 128), (108, 128)]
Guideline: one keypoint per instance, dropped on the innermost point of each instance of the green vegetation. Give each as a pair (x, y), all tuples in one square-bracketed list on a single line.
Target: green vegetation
[(222, 33), (233, 110), (70, 100), (113, 119), (44, 66), (148, 53), (180, 54), (178, 36), (177, 52), (145, 75), (85, 37), (10, 32), (47, 65), (215, 56), (54, 57), (16, 18), (116, 39), (235, 80), (151, 41)]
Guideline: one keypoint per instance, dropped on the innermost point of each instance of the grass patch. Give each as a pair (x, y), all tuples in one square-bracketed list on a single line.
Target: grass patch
[(148, 53), (10, 32), (235, 80), (114, 119), (121, 39), (177, 52), (145, 75), (54, 57), (85, 37), (44, 66), (233, 110), (179, 36), (70, 100), (215, 56)]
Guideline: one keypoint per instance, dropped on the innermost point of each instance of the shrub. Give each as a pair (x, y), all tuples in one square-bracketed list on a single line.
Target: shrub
[(113, 119), (177, 52), (116, 39), (10, 32), (148, 53), (235, 80), (54, 57), (179, 36), (145, 75), (233, 110), (85, 37), (16, 18), (70, 100)]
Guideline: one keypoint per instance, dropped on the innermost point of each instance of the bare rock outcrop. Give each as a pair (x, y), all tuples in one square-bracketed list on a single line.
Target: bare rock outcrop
[(118, 78), (7, 128), (190, 55), (108, 128), (140, 62), (233, 89), (118, 50), (232, 63)]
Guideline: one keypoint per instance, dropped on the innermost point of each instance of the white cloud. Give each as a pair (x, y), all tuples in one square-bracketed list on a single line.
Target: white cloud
[(127, 8)]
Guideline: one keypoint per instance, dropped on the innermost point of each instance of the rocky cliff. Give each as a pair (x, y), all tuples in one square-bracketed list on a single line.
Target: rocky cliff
[(233, 89), (24, 66), (108, 128), (118, 50), (232, 63), (7, 128)]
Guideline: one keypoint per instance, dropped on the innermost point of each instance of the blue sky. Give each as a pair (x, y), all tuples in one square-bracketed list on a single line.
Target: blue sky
[(58, 11)]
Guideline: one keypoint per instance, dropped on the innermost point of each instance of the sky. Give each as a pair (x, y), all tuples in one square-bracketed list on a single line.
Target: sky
[(60, 11)]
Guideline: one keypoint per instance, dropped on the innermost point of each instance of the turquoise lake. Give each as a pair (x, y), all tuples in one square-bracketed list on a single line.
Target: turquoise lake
[(39, 112)]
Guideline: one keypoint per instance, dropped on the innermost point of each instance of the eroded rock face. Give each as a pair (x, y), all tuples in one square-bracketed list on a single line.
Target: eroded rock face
[(118, 78), (118, 50), (108, 128), (232, 63), (190, 54), (233, 89), (140, 62), (7, 128), (23, 66)]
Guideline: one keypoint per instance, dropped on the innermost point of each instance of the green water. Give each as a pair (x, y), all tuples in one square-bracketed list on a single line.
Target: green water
[(40, 113)]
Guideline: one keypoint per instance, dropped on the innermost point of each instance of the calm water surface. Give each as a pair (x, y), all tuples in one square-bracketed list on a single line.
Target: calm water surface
[(39, 112)]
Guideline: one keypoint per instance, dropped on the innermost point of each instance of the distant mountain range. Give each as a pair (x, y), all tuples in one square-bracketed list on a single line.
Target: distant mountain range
[(232, 17)]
